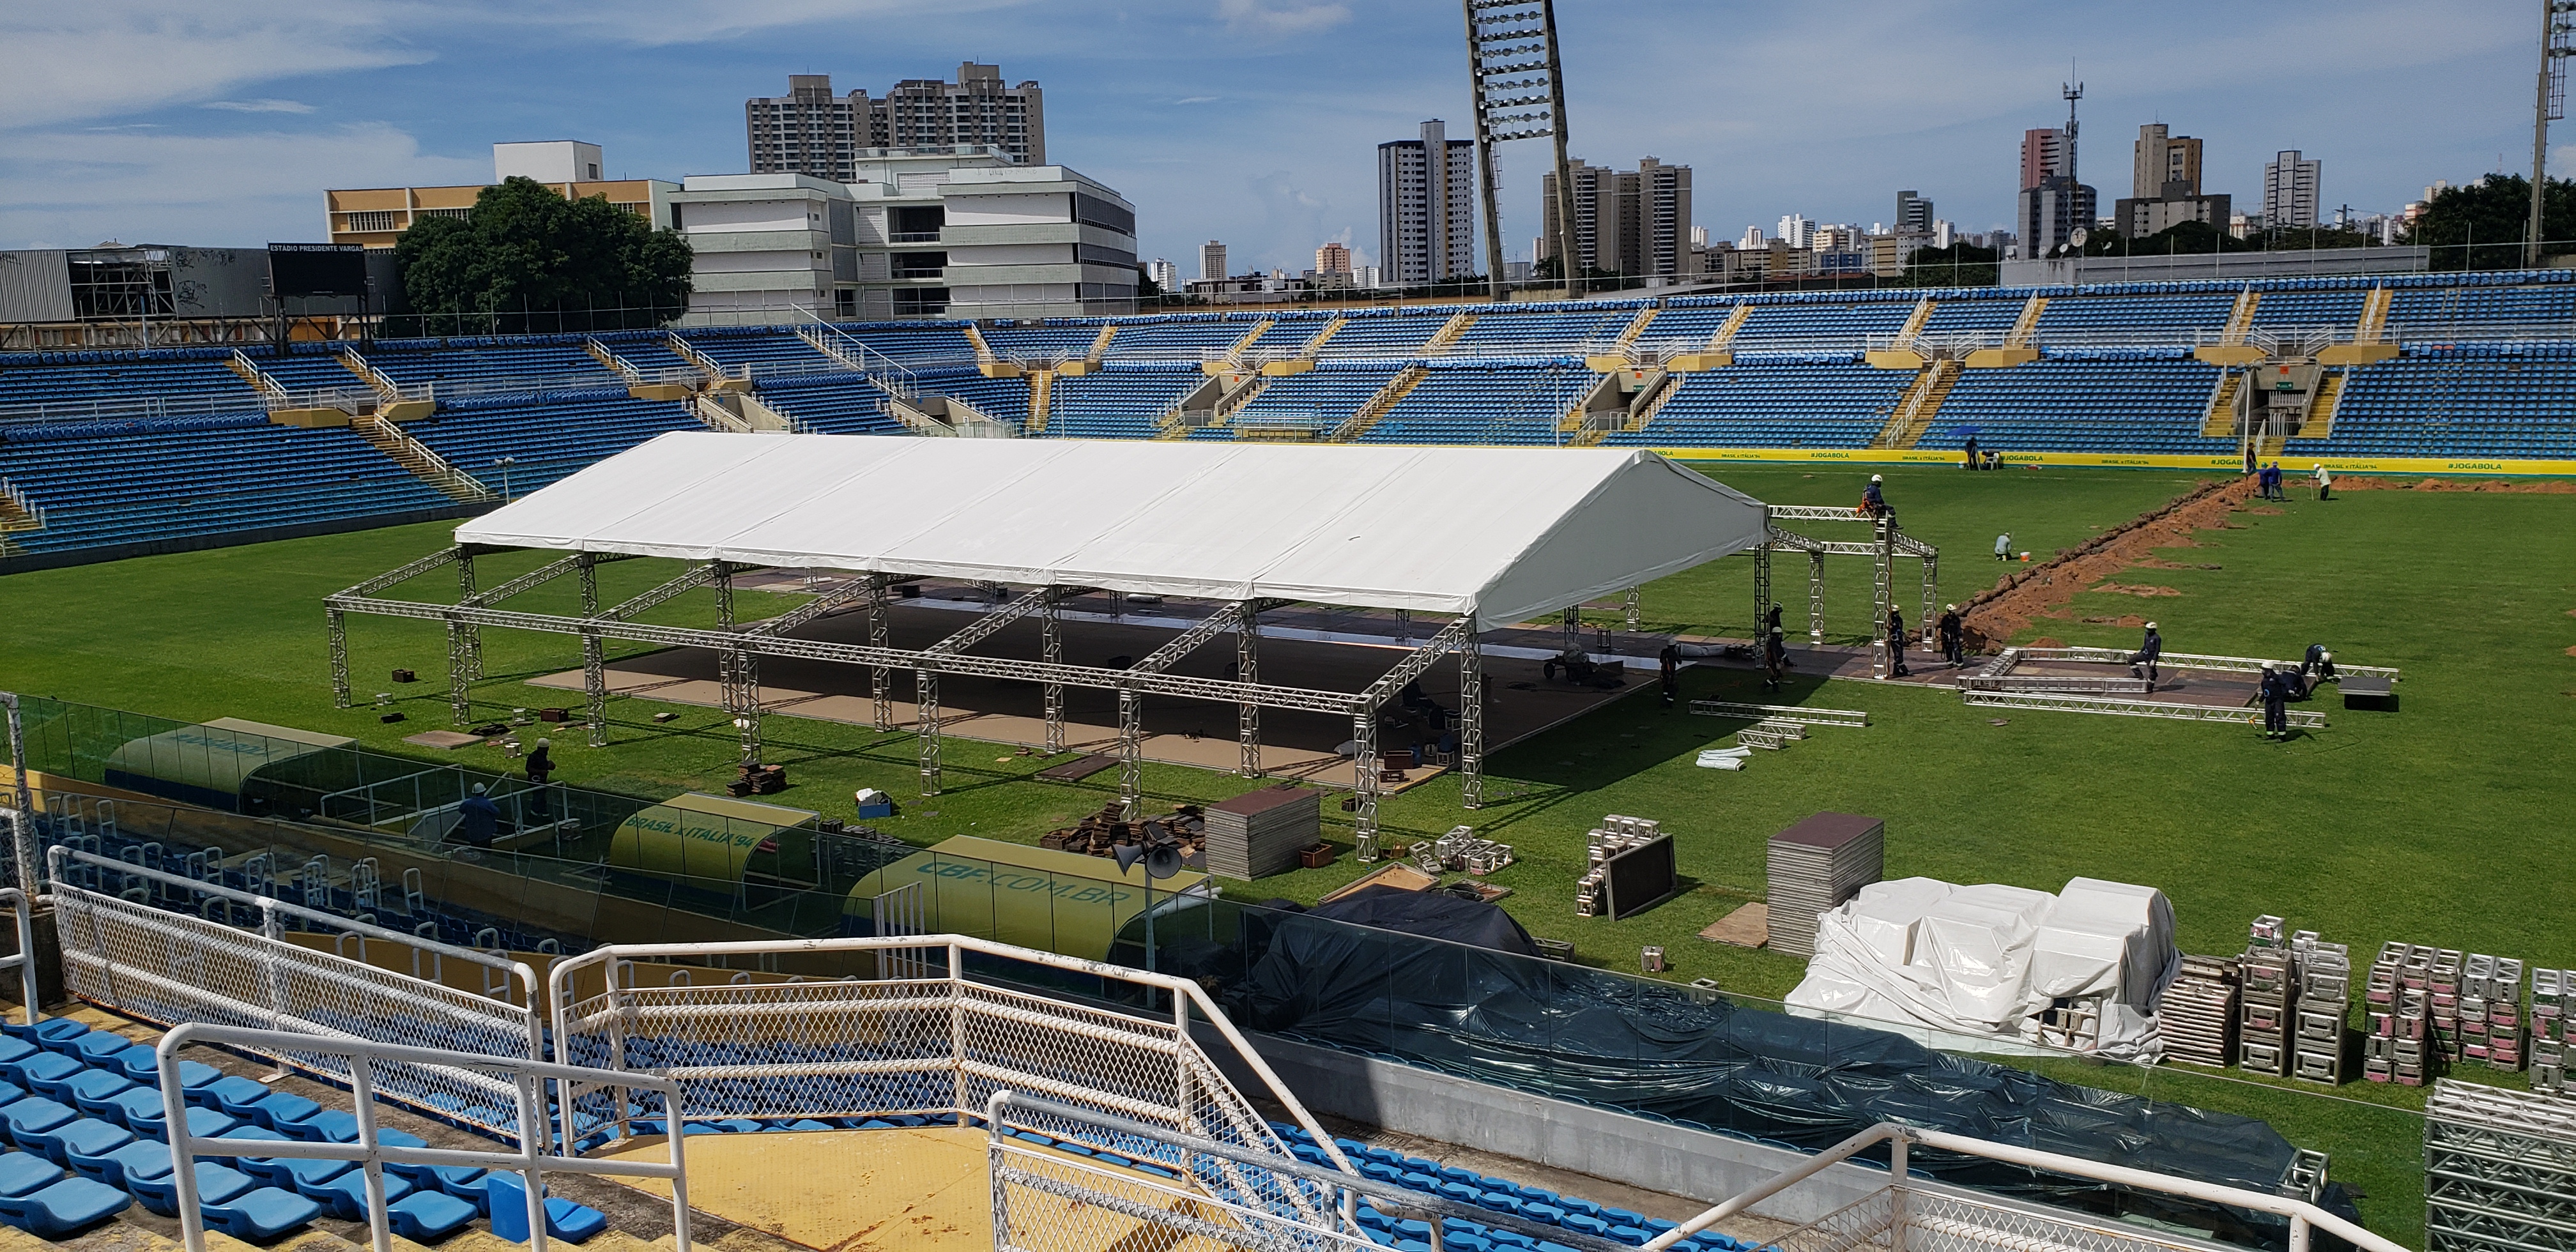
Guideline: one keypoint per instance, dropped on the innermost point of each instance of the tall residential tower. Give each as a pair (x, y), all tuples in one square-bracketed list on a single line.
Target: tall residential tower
[(813, 132), (1426, 207)]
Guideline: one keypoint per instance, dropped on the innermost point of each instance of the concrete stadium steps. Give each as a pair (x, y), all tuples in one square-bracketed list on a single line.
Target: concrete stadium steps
[(424, 464), (1921, 403)]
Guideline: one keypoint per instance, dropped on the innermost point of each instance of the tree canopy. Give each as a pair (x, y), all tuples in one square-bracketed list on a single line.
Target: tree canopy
[(2482, 226), (1959, 265), (525, 260)]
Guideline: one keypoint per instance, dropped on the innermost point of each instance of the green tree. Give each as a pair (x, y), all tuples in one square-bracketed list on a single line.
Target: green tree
[(526, 260), (1959, 265), (2481, 226)]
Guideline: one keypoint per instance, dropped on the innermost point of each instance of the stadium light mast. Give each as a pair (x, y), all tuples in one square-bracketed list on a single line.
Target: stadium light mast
[(1519, 89), (2556, 45)]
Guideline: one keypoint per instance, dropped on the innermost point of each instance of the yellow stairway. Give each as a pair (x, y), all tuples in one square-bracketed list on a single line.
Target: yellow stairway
[(1396, 388), (1921, 403), (2220, 421)]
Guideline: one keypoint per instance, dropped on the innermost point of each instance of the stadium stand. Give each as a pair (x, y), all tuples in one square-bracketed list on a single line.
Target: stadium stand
[(113, 448)]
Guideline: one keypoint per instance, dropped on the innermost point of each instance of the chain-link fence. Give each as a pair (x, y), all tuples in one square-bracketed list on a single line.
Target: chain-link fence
[(123, 952)]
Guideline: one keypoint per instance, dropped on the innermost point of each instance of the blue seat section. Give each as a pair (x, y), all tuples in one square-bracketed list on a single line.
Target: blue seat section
[(1120, 400), (1552, 332), (2432, 312), (835, 404), (550, 434), (1775, 401), (2143, 406), (1329, 393), (650, 353), (204, 476), (1184, 336), (1002, 399), (1817, 323), (553, 360), (1387, 333), (1053, 340), (1959, 315), (2339, 307), (2484, 401), (914, 343), (78, 379), (2204, 310), (1479, 402), (310, 367), (731, 347)]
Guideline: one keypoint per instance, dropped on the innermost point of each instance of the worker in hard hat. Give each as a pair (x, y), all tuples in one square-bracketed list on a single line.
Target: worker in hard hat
[(1873, 499), (1953, 634), (2276, 701), (2142, 662)]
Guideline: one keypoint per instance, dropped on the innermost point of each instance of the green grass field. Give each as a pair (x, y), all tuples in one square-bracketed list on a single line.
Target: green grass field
[(2444, 823)]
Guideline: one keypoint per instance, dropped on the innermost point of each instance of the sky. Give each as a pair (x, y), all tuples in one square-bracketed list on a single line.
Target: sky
[(1250, 121)]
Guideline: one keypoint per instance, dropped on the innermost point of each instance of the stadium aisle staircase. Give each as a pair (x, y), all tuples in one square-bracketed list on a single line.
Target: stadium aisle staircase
[(424, 464), (2220, 420), (1921, 403), (2240, 318), (1376, 407)]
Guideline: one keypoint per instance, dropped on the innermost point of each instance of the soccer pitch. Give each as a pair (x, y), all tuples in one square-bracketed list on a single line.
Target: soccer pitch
[(2443, 823)]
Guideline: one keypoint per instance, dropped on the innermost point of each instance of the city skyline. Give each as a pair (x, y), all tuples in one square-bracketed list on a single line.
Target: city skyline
[(237, 121)]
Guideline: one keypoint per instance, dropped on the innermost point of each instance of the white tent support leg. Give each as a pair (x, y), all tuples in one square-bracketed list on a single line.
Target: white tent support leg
[(925, 685), (1131, 755), (1471, 723), (880, 678), (1247, 715), (1815, 597), (594, 686), (1364, 774), (1051, 650)]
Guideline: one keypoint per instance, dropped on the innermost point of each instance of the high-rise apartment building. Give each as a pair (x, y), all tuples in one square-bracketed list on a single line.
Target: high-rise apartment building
[(1625, 222), (1795, 231), (813, 132), (1426, 215), (1211, 260), (2165, 181), (1333, 258), (1165, 275), (2053, 203), (2290, 191), (1913, 214)]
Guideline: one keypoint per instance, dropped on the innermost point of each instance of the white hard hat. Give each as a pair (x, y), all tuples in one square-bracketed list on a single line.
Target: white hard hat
[(1875, 478), (544, 742), (2325, 656), (2151, 625), (478, 789), (1949, 608)]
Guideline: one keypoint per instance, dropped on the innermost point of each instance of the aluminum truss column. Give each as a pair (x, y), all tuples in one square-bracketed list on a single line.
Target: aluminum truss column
[(1761, 590), (1573, 627), (339, 630), (1931, 592), (1471, 723), (1051, 650), (1364, 778), (925, 686), (1131, 755), (1816, 597), (1634, 609), (1404, 626), (1247, 668), (473, 634), (879, 676), (724, 593), (588, 568), (1883, 650), (741, 675), (594, 686)]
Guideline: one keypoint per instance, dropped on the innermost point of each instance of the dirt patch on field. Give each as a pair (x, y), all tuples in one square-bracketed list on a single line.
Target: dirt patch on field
[(2134, 589), (2130, 620), (2547, 487), (1997, 614), (2265, 510), (2157, 562)]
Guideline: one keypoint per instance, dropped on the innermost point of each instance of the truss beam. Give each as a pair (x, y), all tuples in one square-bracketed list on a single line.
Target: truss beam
[(2305, 718), (695, 576)]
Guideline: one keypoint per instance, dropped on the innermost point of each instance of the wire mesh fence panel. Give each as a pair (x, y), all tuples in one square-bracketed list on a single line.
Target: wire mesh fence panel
[(1948, 1221), (1045, 1201), (172, 969)]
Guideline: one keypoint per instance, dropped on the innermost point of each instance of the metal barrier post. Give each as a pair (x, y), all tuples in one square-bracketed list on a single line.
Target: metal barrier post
[(362, 1086)]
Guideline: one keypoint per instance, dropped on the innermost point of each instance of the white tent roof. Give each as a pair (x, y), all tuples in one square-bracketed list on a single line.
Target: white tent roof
[(1510, 533)]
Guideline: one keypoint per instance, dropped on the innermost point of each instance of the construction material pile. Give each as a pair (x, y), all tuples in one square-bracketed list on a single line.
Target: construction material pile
[(1098, 833)]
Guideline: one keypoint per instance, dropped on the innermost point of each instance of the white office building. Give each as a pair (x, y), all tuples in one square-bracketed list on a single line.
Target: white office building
[(2290, 190)]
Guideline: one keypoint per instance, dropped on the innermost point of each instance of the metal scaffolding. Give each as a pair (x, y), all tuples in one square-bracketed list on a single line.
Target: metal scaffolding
[(1889, 544), (738, 653)]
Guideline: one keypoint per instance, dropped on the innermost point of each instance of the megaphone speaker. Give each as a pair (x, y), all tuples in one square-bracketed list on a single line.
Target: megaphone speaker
[(1163, 862), (1128, 854)]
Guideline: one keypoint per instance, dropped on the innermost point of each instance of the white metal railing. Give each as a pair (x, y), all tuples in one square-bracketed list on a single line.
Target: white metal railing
[(361, 1061), (23, 960), (169, 967), (18, 500), (2304, 1216), (786, 1049), (1220, 1194)]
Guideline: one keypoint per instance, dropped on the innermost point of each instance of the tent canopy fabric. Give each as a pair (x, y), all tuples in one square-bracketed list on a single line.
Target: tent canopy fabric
[(1506, 533)]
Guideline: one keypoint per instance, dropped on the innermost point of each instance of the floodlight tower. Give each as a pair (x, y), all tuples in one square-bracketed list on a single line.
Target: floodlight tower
[(2557, 43), (1519, 89)]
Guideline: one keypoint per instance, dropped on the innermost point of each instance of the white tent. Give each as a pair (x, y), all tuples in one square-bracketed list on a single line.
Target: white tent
[(1507, 533)]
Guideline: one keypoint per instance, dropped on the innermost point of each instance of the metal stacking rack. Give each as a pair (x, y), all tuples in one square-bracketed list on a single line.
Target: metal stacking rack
[(2197, 1013), (2269, 991), (2491, 1018), (2399, 1046), (2499, 1170), (2324, 1008), (1615, 834), (2553, 1028)]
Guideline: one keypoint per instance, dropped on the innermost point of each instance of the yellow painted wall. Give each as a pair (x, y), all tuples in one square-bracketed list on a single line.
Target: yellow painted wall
[(2232, 463)]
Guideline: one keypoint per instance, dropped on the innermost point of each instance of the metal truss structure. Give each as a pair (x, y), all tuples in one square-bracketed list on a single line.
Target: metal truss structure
[(1889, 544), (739, 649), (2499, 1170), (1518, 86), (1798, 713), (1998, 685)]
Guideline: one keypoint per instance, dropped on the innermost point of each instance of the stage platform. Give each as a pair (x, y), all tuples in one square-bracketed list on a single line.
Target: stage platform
[(1313, 648)]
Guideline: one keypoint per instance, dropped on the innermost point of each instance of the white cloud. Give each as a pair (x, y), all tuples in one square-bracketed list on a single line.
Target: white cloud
[(104, 58), (1196, 100), (258, 106), (202, 189), (663, 23), (1285, 19)]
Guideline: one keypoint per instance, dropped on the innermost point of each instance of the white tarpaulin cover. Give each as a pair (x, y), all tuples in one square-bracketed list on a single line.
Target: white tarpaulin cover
[(1987, 960), (1511, 533)]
